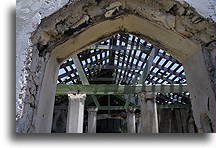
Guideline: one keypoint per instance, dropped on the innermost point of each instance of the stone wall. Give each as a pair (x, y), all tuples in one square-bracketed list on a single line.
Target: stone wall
[(32, 58), (28, 17)]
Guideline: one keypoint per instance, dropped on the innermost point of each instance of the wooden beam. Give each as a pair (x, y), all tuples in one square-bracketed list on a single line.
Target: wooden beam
[(146, 50), (80, 71), (114, 67), (102, 79), (148, 66), (109, 89), (83, 77), (127, 97)]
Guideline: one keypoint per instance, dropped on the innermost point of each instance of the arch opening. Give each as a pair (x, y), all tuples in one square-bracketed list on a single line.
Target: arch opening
[(184, 48), (120, 60)]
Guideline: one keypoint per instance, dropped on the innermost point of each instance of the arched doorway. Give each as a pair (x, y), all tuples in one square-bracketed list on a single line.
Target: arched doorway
[(126, 62), (170, 25)]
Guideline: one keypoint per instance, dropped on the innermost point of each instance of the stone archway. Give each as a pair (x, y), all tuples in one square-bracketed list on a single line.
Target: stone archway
[(170, 25)]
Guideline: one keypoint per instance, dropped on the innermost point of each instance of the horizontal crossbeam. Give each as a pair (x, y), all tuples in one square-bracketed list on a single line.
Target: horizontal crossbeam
[(110, 89), (146, 50)]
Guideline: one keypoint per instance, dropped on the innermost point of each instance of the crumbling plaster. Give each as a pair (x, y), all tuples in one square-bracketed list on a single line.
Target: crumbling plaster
[(28, 17), (57, 29)]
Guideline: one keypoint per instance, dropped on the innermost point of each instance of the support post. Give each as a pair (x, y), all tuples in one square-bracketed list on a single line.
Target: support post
[(56, 116), (139, 124), (165, 122), (92, 119), (131, 120), (149, 118), (75, 113), (202, 92), (148, 66)]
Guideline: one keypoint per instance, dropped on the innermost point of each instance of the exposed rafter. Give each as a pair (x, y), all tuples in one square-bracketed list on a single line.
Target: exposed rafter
[(83, 77), (128, 59)]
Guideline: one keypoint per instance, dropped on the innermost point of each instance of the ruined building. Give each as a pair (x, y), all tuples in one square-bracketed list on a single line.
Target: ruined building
[(117, 66)]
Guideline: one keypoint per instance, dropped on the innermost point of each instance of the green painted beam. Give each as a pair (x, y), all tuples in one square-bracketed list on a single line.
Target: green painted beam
[(110, 89)]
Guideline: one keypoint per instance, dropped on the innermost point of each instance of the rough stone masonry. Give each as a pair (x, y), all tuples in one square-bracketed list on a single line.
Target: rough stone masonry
[(76, 16)]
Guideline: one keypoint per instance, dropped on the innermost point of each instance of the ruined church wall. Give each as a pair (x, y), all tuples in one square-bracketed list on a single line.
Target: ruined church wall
[(29, 16)]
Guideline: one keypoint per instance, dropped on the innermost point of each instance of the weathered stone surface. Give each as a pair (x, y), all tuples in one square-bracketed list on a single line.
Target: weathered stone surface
[(75, 114), (149, 117), (28, 17), (76, 17), (170, 14), (92, 119)]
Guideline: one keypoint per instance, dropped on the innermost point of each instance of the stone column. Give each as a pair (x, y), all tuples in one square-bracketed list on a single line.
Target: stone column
[(131, 126), (138, 124), (149, 118), (56, 116), (92, 119), (191, 125), (202, 92), (165, 120), (75, 113)]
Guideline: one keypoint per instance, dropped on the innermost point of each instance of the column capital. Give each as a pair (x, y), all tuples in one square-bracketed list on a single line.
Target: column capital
[(92, 109), (77, 97), (130, 109), (147, 95)]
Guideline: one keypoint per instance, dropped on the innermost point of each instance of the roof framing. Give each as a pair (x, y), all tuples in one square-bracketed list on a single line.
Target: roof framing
[(132, 61)]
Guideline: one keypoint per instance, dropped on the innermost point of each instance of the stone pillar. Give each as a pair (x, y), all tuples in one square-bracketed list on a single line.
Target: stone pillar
[(202, 92), (149, 118), (191, 125), (138, 123), (92, 119), (75, 113), (165, 122), (56, 116), (131, 126)]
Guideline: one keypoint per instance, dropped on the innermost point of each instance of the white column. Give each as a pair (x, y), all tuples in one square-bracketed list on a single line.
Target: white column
[(149, 119), (131, 126), (92, 119), (75, 113)]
